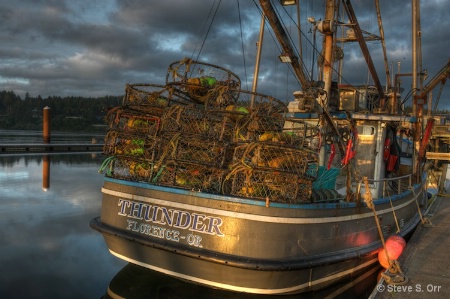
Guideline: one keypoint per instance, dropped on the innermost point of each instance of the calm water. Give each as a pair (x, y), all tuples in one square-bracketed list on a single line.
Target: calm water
[(48, 250)]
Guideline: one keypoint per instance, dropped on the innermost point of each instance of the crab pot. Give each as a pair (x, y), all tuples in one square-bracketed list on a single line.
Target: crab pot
[(152, 95), (203, 82), (133, 121), (251, 128), (297, 133), (253, 114), (274, 157), (131, 145), (132, 169), (274, 186), (191, 121), (194, 148), (191, 176)]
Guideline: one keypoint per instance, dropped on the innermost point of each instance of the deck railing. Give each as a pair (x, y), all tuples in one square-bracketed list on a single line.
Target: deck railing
[(398, 184)]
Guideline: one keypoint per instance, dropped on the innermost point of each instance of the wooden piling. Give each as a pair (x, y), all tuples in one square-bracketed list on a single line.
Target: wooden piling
[(46, 124)]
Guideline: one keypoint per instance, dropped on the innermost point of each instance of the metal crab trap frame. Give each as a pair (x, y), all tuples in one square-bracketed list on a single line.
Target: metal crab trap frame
[(153, 95), (203, 82), (270, 186), (252, 114), (128, 120), (189, 175), (194, 149), (193, 121)]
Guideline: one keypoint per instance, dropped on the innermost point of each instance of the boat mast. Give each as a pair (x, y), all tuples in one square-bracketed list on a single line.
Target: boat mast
[(383, 45), (328, 53), (258, 57), (362, 43), (284, 42), (416, 109)]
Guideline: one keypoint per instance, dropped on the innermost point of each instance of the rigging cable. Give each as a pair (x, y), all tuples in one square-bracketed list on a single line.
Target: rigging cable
[(203, 30), (242, 44), (209, 28), (438, 98)]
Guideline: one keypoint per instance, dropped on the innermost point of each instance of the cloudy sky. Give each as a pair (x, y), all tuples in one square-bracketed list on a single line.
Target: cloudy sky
[(95, 47)]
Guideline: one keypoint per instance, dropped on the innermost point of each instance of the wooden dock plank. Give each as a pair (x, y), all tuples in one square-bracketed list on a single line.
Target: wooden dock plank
[(50, 148), (426, 261)]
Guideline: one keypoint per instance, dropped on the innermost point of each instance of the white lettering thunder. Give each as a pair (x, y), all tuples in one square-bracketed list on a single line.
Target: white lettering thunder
[(194, 222)]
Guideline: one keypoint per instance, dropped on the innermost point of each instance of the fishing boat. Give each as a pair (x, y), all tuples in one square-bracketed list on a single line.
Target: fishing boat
[(236, 190)]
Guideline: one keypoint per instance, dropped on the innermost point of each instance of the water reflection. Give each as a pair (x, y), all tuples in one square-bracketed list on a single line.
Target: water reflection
[(47, 249), (46, 172), (137, 282)]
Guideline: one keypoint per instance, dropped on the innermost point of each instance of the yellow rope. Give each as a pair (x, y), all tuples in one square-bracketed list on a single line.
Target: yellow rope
[(393, 212), (185, 61), (394, 266), (171, 145), (424, 221)]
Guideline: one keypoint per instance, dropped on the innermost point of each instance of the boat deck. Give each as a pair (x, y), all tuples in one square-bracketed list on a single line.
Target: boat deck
[(425, 261)]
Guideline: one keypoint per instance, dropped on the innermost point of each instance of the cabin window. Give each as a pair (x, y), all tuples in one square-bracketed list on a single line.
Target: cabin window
[(366, 130)]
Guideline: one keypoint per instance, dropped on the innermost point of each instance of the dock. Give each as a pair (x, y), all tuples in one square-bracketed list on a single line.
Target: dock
[(425, 261), (16, 148)]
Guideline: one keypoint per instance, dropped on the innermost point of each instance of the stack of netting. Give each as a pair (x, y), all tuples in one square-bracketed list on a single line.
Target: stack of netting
[(201, 132)]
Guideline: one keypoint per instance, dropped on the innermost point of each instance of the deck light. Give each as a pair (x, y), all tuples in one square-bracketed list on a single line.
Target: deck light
[(288, 2), (285, 58)]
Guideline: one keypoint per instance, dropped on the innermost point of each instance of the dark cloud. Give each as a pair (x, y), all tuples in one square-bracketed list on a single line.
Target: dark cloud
[(91, 48)]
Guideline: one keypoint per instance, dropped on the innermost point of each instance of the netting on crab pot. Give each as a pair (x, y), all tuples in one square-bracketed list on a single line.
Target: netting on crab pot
[(253, 114), (132, 121), (304, 194), (192, 176), (130, 145), (195, 149), (152, 95), (192, 121), (300, 133), (273, 157), (270, 186), (131, 169), (202, 81), (252, 127)]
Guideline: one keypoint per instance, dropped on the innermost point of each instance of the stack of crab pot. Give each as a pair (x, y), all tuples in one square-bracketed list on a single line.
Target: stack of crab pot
[(201, 132), (133, 139)]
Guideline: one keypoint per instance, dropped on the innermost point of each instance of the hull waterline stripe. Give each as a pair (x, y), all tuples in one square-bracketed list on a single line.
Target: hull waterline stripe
[(244, 289), (260, 218)]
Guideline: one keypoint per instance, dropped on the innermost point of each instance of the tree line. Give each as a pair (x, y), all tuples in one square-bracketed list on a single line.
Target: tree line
[(67, 113)]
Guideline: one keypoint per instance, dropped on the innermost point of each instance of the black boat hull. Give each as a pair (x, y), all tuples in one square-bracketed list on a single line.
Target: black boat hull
[(242, 245)]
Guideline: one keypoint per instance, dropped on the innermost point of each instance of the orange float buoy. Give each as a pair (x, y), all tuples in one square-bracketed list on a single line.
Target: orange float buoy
[(394, 247)]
